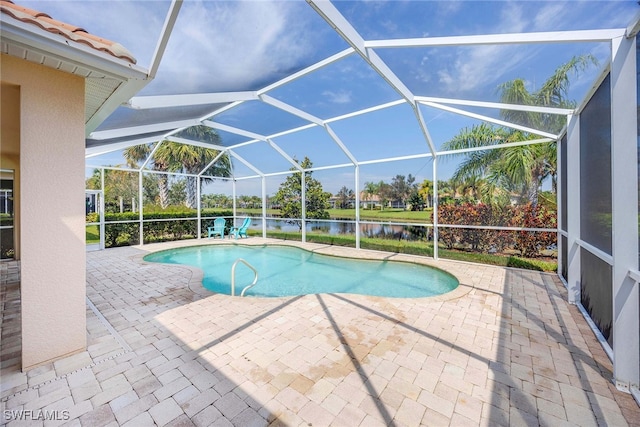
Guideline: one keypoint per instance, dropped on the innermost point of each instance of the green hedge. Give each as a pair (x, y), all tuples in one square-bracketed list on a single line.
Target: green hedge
[(128, 233)]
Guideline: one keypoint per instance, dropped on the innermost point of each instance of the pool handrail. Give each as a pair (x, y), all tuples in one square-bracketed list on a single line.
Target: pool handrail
[(233, 277)]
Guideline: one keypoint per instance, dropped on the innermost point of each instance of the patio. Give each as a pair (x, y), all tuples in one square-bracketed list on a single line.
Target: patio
[(507, 349)]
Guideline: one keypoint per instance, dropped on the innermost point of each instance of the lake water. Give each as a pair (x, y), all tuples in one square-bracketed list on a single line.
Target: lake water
[(385, 231)]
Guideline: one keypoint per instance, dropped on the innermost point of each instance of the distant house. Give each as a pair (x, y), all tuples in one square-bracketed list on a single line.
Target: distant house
[(397, 204), (334, 203), (369, 201), (373, 202)]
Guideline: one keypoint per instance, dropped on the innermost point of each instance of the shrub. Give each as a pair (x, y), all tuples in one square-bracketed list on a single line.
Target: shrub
[(121, 234), (161, 231), (528, 243), (93, 217), (473, 238)]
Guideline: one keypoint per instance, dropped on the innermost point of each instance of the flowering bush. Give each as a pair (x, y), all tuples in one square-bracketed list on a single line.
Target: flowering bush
[(528, 243)]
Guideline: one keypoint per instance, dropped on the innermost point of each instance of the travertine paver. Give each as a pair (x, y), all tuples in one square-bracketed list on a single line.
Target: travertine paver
[(503, 349)]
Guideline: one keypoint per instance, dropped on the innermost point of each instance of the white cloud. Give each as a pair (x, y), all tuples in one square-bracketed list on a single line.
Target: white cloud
[(472, 69), (475, 68), (479, 66), (390, 26), (445, 78), (446, 8), (549, 17), (512, 19), (218, 46), (338, 97)]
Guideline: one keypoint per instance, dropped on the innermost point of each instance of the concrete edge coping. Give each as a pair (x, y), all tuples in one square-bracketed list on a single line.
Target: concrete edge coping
[(197, 275)]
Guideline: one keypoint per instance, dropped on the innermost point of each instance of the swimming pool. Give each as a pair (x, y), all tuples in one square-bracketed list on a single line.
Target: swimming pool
[(289, 271)]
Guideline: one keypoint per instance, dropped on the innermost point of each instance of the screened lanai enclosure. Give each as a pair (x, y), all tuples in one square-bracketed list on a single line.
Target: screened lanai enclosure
[(380, 126)]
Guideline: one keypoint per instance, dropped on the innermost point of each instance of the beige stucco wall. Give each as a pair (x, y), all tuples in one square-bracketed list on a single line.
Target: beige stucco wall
[(52, 224)]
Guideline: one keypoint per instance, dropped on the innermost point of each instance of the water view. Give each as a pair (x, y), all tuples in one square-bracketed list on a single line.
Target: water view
[(348, 226)]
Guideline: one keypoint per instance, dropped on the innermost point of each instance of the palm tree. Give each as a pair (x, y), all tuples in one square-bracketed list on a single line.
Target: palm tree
[(370, 189), (426, 191), (176, 157), (553, 93), (194, 159), (137, 153), (470, 189), (445, 191), (519, 171)]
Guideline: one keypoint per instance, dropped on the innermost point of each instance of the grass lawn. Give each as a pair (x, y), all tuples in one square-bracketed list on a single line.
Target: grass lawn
[(418, 248), (385, 215), (93, 234)]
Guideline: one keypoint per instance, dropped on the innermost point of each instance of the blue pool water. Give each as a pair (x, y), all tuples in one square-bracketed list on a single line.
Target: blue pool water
[(287, 271)]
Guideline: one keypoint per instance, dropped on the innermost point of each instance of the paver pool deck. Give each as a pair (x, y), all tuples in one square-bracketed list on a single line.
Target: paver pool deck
[(505, 348)]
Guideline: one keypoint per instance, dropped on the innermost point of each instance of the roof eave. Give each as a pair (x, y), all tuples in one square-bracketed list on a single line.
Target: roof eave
[(29, 36), (26, 37)]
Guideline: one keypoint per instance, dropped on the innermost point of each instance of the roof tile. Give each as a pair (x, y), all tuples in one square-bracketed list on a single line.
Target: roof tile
[(71, 32)]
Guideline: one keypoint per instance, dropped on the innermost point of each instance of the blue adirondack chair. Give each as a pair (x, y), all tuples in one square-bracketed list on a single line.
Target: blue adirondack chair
[(242, 230), (218, 228)]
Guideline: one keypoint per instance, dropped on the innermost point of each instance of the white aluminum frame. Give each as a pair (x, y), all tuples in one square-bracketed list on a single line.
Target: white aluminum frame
[(624, 258), (624, 159)]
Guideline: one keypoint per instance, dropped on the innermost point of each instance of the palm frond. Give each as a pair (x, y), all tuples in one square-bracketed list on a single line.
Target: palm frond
[(554, 91)]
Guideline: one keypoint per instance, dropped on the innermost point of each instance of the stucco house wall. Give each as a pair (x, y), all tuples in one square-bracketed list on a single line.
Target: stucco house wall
[(51, 230)]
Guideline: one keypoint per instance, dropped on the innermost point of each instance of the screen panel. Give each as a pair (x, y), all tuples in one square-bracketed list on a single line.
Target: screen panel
[(595, 170), (564, 268), (596, 284)]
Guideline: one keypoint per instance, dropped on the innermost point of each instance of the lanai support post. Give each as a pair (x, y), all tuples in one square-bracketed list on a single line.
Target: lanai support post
[(559, 207), (264, 206), (357, 187), (199, 204), (624, 167), (141, 203), (573, 209), (102, 209), (435, 207), (303, 183), (233, 196)]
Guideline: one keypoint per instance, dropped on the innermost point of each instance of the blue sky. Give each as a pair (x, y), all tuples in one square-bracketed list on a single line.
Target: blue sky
[(245, 45)]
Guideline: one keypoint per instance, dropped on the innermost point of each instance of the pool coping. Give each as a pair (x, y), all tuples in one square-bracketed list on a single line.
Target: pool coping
[(465, 285)]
